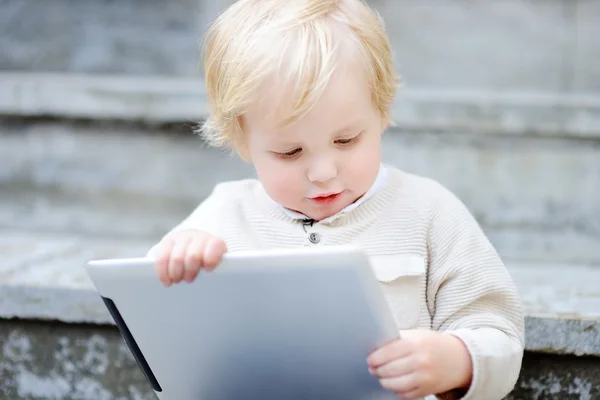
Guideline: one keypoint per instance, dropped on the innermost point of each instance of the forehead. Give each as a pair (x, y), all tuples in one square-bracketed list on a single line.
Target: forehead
[(345, 101)]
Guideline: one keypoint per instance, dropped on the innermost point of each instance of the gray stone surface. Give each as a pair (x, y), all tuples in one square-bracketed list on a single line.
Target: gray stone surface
[(507, 45), (55, 362), (51, 303), (40, 361), (558, 290), (56, 261), (560, 335), (586, 52), (536, 45), (557, 377), (137, 37)]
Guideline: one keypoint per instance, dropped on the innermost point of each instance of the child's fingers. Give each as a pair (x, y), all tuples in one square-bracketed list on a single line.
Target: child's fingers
[(194, 258), (391, 351), (182, 256), (412, 395), (401, 384), (395, 368), (177, 260), (162, 263), (213, 252)]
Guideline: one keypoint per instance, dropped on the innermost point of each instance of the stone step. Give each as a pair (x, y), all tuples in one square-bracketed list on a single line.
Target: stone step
[(45, 361), (541, 46), (42, 278), (53, 261), (536, 198), (176, 99)]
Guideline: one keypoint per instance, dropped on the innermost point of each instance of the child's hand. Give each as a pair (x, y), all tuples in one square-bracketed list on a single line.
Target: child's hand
[(422, 363), (184, 253)]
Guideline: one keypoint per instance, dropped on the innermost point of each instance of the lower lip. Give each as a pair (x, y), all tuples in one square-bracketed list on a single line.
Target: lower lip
[(326, 200)]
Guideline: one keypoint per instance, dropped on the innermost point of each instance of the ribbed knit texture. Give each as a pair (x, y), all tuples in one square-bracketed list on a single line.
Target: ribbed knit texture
[(436, 267)]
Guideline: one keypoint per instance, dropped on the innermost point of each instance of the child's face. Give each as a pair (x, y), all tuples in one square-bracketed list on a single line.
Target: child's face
[(333, 151)]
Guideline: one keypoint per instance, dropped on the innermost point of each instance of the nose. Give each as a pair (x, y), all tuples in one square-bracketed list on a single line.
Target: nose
[(322, 170)]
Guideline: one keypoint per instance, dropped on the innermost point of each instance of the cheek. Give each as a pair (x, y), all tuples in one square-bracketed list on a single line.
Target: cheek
[(281, 180), (363, 165)]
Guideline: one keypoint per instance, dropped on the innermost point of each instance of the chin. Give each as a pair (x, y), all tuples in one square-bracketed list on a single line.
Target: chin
[(324, 213)]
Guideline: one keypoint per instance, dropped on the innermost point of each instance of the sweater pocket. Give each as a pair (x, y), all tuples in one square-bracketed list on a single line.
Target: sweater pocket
[(403, 282)]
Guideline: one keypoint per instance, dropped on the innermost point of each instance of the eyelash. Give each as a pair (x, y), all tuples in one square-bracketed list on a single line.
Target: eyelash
[(296, 152), (345, 142), (289, 154)]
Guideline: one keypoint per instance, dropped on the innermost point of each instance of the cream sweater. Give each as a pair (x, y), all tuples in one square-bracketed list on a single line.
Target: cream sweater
[(436, 267)]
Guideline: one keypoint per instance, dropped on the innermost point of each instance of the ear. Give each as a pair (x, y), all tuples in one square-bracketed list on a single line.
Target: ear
[(244, 156), (241, 148)]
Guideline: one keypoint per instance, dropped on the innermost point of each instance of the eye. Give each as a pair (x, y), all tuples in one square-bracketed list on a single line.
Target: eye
[(289, 154), (348, 141)]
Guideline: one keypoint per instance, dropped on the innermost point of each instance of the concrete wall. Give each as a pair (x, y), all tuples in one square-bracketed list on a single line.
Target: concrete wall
[(531, 45)]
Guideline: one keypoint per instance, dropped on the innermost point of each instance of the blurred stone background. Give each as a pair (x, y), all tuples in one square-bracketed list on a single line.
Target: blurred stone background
[(500, 102)]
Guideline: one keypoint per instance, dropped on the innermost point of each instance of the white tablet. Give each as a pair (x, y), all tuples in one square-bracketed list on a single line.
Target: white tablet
[(284, 324)]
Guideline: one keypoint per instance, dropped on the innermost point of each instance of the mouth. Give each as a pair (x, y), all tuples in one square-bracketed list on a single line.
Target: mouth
[(326, 198)]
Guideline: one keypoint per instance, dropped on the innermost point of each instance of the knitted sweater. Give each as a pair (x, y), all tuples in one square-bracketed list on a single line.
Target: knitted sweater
[(436, 267)]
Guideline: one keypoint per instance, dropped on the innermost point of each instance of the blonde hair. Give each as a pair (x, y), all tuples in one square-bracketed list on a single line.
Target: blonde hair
[(254, 40)]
